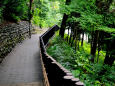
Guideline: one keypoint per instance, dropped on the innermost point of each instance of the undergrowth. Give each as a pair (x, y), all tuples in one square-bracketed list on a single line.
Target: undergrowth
[(92, 74)]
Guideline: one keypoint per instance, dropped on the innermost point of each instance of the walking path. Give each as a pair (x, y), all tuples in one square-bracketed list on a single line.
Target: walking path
[(22, 67)]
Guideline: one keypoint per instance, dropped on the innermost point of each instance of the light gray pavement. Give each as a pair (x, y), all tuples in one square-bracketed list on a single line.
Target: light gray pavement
[(23, 64)]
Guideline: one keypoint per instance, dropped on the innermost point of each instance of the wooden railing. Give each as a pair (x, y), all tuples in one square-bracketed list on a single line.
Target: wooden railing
[(54, 73)]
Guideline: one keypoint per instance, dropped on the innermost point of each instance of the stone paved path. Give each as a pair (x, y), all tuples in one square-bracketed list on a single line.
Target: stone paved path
[(22, 65)]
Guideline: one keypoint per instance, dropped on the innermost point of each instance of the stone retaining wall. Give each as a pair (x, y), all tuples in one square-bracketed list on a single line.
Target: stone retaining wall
[(11, 34)]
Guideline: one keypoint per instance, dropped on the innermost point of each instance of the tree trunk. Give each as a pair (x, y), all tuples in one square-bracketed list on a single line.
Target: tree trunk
[(94, 45), (70, 37), (109, 59), (100, 41), (73, 34), (110, 53), (75, 39), (82, 39), (63, 24), (78, 45), (68, 34), (98, 55)]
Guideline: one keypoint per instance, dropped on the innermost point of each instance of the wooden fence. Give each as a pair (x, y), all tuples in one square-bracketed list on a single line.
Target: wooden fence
[(54, 73)]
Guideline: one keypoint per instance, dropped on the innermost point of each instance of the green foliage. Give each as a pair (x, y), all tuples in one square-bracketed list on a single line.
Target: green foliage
[(40, 12), (46, 13), (14, 10), (107, 29), (62, 53), (14, 17), (36, 18), (89, 18), (78, 63), (76, 73), (93, 17)]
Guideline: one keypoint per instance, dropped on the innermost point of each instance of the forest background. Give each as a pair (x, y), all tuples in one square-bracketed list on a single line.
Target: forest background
[(80, 19)]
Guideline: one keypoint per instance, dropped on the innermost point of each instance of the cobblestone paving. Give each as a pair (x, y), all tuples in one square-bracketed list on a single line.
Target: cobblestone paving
[(22, 65)]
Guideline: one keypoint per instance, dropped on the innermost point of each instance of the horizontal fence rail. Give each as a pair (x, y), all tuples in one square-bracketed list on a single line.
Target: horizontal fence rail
[(54, 73)]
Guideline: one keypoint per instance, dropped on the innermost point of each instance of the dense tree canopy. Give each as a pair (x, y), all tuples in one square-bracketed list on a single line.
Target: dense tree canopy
[(13, 10), (95, 18)]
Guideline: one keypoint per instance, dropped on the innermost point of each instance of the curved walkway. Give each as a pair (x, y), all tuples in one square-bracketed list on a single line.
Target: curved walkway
[(22, 66)]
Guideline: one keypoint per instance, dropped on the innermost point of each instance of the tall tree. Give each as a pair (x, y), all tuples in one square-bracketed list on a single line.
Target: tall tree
[(94, 41), (63, 24), (110, 52)]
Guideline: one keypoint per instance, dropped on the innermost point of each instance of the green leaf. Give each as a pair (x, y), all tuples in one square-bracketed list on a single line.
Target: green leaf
[(76, 73)]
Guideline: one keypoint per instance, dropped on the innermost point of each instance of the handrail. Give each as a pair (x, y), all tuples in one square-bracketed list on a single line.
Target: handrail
[(54, 73), (48, 34)]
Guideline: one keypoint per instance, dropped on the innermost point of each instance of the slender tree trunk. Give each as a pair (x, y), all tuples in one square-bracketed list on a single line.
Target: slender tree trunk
[(63, 25), (73, 34), (94, 45), (98, 55), (70, 37), (82, 39), (76, 39), (100, 39), (68, 34), (89, 40), (78, 45), (76, 42), (78, 35)]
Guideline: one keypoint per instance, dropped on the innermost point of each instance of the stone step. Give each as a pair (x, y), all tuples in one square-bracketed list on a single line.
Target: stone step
[(25, 84)]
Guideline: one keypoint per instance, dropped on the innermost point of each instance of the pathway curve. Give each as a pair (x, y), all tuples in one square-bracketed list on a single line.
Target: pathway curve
[(22, 65)]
